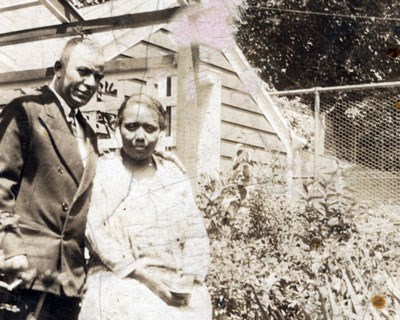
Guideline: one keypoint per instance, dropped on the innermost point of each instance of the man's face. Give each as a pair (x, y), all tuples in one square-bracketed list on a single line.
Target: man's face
[(78, 79)]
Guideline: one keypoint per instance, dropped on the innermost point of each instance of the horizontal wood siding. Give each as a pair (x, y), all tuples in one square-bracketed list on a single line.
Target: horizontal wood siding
[(245, 118), (239, 100), (252, 137), (243, 122)]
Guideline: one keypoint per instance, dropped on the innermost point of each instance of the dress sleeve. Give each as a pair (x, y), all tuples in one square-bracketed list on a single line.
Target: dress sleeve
[(14, 148), (196, 252), (118, 257)]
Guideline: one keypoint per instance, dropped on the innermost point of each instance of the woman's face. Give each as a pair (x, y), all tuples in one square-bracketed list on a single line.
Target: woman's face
[(140, 130)]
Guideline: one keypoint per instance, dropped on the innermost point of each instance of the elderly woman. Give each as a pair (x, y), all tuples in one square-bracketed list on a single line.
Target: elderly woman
[(148, 245)]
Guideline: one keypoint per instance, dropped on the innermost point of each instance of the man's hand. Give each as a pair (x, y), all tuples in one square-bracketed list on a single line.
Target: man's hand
[(14, 271), (16, 264), (8, 220)]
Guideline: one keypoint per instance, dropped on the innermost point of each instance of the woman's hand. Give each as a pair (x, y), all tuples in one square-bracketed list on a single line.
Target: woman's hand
[(159, 288)]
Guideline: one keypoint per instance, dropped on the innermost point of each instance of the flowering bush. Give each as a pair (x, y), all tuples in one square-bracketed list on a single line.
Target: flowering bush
[(323, 257)]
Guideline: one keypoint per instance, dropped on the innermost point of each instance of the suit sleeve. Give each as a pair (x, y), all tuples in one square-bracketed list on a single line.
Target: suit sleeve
[(116, 256), (14, 149)]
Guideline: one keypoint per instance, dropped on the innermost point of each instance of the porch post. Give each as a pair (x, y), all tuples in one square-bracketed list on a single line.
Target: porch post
[(187, 135)]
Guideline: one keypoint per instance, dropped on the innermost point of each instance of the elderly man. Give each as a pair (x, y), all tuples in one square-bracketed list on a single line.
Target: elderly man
[(47, 163)]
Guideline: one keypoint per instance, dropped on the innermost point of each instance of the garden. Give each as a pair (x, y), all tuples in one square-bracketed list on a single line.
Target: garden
[(321, 256)]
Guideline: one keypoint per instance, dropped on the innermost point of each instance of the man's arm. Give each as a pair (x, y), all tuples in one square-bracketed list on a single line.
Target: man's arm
[(14, 148)]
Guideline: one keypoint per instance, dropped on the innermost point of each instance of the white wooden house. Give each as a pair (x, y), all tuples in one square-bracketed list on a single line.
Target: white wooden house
[(214, 97)]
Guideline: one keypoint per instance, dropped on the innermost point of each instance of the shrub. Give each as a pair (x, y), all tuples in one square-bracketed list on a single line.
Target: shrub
[(320, 257)]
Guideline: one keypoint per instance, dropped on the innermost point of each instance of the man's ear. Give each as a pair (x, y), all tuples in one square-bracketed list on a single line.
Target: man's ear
[(57, 68)]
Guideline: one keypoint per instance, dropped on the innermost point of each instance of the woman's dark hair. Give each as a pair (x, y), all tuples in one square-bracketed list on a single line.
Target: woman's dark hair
[(149, 102)]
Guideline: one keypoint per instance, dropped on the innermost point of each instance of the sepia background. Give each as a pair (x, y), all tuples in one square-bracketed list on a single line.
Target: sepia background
[(286, 115)]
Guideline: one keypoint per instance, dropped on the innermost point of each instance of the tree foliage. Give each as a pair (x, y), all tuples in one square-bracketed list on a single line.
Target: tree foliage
[(301, 43)]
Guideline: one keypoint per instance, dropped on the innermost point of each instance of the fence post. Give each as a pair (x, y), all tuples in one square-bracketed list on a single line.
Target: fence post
[(317, 130)]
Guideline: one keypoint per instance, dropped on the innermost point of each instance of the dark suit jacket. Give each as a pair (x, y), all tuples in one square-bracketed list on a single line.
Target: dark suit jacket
[(43, 180)]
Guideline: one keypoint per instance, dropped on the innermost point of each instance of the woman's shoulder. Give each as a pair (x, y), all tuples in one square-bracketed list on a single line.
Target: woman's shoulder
[(165, 162), (108, 165), (170, 172)]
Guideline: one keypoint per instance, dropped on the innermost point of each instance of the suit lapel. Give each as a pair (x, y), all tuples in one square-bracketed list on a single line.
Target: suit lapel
[(64, 141)]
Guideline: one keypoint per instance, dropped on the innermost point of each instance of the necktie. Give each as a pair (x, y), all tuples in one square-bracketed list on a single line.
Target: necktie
[(77, 126), (73, 122), (74, 128)]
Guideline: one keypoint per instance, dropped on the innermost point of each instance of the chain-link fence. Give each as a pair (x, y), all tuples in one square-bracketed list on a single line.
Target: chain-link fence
[(358, 128)]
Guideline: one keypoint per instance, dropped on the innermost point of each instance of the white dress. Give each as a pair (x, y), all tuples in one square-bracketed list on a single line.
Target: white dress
[(129, 220)]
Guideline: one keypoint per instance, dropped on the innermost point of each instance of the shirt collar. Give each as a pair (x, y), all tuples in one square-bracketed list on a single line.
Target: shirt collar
[(68, 111)]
